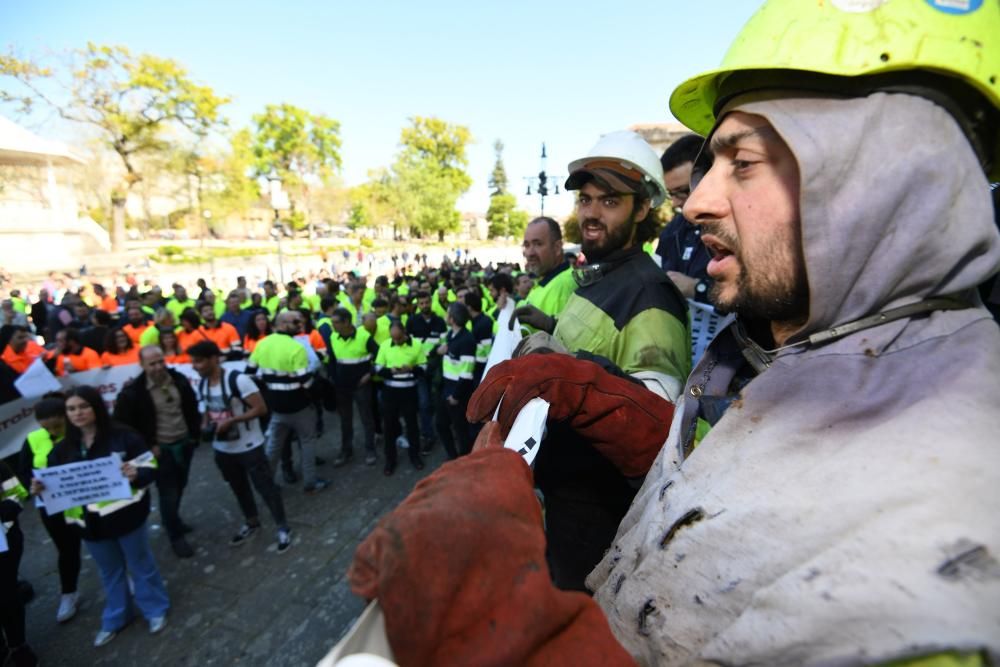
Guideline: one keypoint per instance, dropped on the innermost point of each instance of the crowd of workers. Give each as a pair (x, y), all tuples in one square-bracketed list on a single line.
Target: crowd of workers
[(401, 355), (818, 489)]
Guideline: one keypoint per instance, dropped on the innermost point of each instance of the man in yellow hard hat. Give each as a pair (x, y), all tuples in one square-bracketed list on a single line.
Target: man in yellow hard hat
[(841, 508)]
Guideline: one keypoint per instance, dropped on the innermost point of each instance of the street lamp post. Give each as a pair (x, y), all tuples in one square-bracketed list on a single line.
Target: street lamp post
[(541, 182), (279, 200)]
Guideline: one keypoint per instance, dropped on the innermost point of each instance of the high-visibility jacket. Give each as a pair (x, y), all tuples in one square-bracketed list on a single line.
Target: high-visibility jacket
[(458, 365), (634, 317), (109, 305), (351, 357), (317, 342), (19, 361), (282, 363), (393, 356), (224, 335), (135, 333), (84, 360), (482, 331), (40, 445), (129, 356), (271, 304), (186, 339), (356, 312), (177, 307), (11, 491), (311, 301), (551, 293), (149, 336), (382, 325), (428, 331)]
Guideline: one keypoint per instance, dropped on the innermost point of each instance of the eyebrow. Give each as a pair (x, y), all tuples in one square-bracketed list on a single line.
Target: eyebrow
[(604, 195), (722, 142)]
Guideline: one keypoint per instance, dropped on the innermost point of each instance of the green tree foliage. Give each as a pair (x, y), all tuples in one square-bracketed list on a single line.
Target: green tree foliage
[(230, 189), (421, 190), (498, 177), (132, 101), (571, 229), (302, 148), (503, 217), (298, 145), (376, 202)]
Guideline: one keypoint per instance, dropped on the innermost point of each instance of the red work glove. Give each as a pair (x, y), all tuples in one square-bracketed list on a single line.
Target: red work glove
[(459, 571), (623, 420)]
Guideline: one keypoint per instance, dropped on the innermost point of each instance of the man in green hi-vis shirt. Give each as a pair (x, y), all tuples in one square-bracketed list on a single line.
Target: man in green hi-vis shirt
[(543, 256)]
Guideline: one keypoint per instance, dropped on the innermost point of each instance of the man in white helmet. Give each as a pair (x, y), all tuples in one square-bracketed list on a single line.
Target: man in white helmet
[(842, 507), (628, 318)]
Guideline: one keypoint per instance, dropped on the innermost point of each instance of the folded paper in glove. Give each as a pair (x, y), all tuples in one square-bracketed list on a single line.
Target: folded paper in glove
[(526, 434)]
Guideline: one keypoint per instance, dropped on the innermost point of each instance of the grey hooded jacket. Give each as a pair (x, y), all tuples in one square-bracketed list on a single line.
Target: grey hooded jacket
[(845, 509)]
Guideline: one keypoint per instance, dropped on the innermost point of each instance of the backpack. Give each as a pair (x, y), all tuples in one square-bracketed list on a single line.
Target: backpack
[(229, 381)]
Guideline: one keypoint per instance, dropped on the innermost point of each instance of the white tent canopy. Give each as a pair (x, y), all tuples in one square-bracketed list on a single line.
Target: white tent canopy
[(19, 146)]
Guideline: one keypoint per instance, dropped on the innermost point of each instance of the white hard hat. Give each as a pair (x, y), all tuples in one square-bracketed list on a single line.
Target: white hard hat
[(623, 162)]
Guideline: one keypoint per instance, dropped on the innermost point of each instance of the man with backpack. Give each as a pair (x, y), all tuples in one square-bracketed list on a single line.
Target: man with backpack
[(233, 407)]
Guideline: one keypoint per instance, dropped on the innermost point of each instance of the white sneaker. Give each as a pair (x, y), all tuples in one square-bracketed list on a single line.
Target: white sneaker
[(67, 607), (157, 624), (284, 540), (104, 636), (402, 442)]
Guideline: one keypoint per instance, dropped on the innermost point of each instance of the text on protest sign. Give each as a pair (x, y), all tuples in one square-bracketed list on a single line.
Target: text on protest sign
[(84, 482)]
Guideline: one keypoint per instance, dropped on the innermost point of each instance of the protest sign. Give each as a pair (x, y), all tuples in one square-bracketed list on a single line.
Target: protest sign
[(83, 482), (506, 338), (36, 380)]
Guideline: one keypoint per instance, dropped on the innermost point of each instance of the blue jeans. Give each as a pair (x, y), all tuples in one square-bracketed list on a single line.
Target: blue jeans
[(129, 553)]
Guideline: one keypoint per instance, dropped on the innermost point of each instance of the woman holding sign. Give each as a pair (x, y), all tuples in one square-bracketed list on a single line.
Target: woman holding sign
[(114, 531)]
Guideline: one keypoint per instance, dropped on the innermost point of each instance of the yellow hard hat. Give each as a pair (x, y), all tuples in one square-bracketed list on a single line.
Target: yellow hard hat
[(948, 50)]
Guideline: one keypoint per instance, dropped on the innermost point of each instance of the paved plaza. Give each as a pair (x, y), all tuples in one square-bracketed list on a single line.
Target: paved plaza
[(245, 605)]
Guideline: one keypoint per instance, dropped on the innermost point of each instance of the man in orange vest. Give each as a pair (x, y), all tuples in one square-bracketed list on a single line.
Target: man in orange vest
[(21, 351)]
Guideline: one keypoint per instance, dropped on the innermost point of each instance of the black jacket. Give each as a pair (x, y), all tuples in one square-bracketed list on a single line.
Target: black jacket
[(680, 249), (135, 407)]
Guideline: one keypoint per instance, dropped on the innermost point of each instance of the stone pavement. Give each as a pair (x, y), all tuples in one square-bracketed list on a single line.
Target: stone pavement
[(245, 605)]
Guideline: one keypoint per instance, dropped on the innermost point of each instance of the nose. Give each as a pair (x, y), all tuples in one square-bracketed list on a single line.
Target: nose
[(707, 201), (587, 211)]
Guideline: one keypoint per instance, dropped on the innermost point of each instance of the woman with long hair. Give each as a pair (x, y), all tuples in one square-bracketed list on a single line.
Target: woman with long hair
[(119, 350), (189, 333), (171, 347), (114, 532), (50, 413), (259, 327)]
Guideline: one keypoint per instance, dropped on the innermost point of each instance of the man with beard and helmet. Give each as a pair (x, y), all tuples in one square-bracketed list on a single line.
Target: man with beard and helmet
[(841, 510), (626, 316), (624, 310)]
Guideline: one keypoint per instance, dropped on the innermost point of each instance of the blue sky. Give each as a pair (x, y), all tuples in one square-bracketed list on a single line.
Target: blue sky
[(523, 72)]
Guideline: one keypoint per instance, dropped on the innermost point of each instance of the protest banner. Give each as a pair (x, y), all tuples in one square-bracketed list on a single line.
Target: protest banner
[(78, 484), (17, 419)]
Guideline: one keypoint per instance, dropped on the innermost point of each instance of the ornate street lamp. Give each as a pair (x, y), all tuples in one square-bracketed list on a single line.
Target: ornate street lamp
[(541, 182)]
